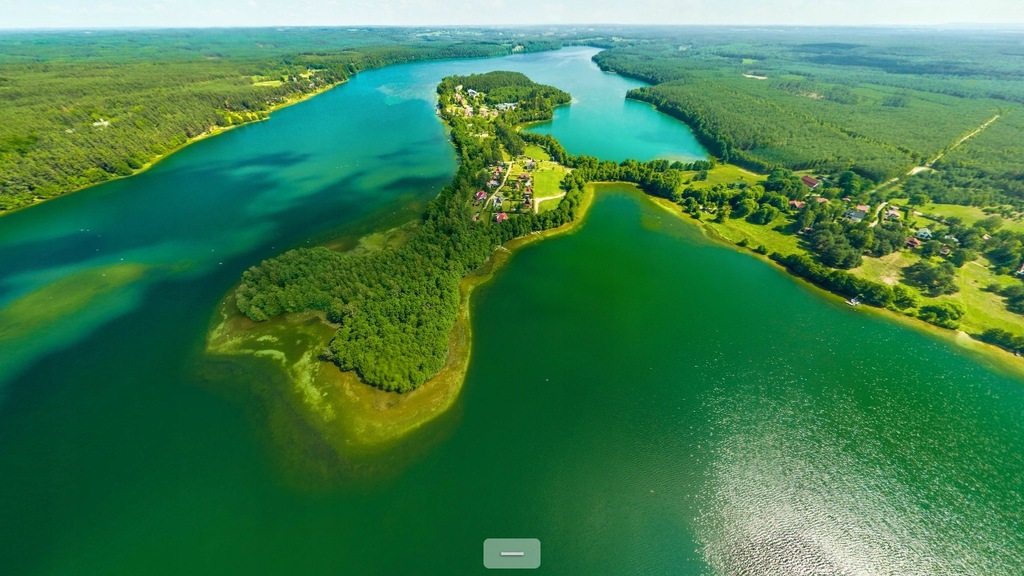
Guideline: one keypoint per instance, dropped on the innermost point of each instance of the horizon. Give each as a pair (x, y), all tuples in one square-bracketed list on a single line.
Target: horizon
[(187, 14)]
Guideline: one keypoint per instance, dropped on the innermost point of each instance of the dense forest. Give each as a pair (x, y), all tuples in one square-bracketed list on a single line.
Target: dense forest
[(875, 105), (83, 107), (395, 308)]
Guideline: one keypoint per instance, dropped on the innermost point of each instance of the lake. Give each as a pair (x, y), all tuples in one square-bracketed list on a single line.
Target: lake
[(641, 400)]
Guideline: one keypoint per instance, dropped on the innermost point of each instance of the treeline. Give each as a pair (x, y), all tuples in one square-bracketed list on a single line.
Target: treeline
[(534, 102), (396, 307), (81, 109), (789, 112)]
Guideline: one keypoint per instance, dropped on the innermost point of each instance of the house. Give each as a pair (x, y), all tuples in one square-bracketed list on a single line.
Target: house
[(498, 201), (986, 237), (480, 195), (855, 216), (528, 192), (913, 242), (500, 217), (796, 204), (472, 93), (492, 183), (951, 238), (811, 182), (944, 251), (864, 208), (893, 214), (507, 106), (101, 123), (820, 199), (924, 234), (1021, 271)]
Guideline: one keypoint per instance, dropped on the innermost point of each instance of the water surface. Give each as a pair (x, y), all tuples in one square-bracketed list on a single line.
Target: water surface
[(642, 401)]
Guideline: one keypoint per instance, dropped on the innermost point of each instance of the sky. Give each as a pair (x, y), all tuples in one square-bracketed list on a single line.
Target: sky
[(231, 13)]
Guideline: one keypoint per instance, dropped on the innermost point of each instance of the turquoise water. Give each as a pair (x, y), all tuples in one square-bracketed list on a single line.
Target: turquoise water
[(642, 401)]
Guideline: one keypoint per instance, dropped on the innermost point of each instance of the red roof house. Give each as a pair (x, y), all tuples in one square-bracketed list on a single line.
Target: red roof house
[(500, 217), (811, 182), (480, 194), (797, 204)]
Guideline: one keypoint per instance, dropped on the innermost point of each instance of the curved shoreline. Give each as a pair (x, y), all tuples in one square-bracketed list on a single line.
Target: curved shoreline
[(355, 419), (991, 356), (214, 131)]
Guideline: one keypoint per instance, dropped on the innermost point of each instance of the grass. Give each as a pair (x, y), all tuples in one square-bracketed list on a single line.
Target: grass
[(736, 229), (547, 179), (537, 153), (984, 309), (887, 269), (724, 174), (548, 205), (969, 215)]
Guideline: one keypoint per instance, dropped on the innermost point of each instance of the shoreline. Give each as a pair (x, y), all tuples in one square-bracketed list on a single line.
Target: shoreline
[(987, 354), (215, 131), (355, 419)]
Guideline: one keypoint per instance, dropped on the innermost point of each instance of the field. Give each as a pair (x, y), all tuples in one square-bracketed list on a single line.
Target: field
[(723, 174), (970, 214)]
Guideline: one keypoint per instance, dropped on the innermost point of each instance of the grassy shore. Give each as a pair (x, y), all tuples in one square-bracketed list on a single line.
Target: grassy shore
[(728, 234), (213, 131), (354, 419)]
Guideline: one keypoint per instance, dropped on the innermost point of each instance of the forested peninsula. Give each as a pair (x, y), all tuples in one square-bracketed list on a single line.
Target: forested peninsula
[(395, 308)]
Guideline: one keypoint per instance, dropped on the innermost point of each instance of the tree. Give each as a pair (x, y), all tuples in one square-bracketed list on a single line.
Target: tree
[(765, 214), (931, 248), (960, 256), (935, 279), (919, 199), (903, 297), (944, 314)]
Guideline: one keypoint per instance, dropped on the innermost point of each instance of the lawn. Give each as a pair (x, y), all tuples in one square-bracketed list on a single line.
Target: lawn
[(537, 153), (984, 309), (736, 229), (886, 269), (547, 179), (548, 205), (724, 174), (969, 215)]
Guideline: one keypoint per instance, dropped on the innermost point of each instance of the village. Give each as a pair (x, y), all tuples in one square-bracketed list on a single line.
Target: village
[(529, 182)]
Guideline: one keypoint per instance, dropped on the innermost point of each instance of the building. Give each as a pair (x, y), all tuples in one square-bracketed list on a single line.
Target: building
[(796, 204), (820, 199), (855, 216), (480, 195), (924, 234), (913, 242), (864, 208), (811, 182), (500, 217), (472, 93)]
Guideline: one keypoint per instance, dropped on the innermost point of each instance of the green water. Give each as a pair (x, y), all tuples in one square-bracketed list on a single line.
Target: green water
[(642, 401)]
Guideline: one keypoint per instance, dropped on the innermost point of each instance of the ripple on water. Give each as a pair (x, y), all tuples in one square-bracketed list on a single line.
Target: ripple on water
[(795, 488)]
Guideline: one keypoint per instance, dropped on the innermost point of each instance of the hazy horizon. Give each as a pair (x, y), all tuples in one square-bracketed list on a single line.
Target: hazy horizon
[(70, 14)]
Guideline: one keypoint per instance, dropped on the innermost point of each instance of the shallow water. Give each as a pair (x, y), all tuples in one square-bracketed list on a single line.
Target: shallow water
[(642, 401)]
